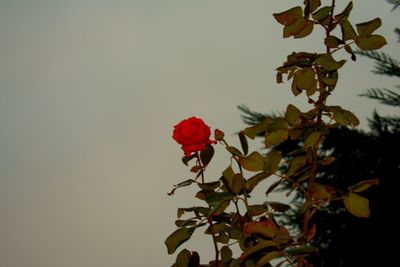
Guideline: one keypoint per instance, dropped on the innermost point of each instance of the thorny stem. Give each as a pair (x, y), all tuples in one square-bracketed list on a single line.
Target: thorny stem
[(210, 220), (215, 242), (329, 28), (321, 100), (202, 167), (246, 203), (323, 94)]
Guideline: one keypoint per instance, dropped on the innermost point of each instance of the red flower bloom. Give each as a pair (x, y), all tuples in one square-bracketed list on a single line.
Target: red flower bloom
[(193, 134)]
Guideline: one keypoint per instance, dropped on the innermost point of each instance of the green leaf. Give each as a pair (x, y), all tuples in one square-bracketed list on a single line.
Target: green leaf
[(194, 260), (256, 210), (312, 139), (206, 154), (296, 164), (330, 81), (256, 248), (343, 117), (268, 257), (282, 236), (274, 138), (292, 115), (228, 173), (279, 77), (345, 13), (363, 185), (202, 194), (271, 162), (290, 16), (197, 210), (218, 208), (272, 187), (264, 228), (254, 162), (227, 177), (322, 13), (180, 212), (319, 191), (348, 32), (332, 41), (350, 51), (371, 42), (218, 197), (310, 115), (357, 205), (243, 143), (187, 259), (296, 91), (237, 184), (226, 254), (182, 223), (252, 132), (186, 159), (303, 250), (297, 28), (312, 90), (235, 263), (277, 206), (277, 124), (311, 6), (307, 30), (181, 184), (183, 258), (185, 183), (367, 28), (304, 79), (253, 181), (211, 186), (235, 231), (222, 238), (218, 228), (328, 62), (234, 151), (177, 238)]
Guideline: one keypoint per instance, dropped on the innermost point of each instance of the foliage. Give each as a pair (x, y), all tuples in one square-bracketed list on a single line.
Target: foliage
[(227, 214), (346, 240)]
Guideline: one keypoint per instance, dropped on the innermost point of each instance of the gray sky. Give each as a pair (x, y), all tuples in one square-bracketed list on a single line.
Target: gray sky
[(89, 93)]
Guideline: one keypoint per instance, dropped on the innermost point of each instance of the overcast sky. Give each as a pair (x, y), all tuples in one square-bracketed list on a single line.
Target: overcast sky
[(89, 93)]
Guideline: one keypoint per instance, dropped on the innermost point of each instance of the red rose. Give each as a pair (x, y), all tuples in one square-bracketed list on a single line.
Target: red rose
[(193, 134)]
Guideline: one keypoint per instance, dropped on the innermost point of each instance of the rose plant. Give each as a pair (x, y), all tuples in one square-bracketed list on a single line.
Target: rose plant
[(228, 215)]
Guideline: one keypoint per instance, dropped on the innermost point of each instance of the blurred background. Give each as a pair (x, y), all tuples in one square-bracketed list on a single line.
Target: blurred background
[(90, 92)]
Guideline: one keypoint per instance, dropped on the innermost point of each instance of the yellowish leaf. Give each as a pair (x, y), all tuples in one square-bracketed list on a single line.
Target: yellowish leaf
[(357, 205)]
